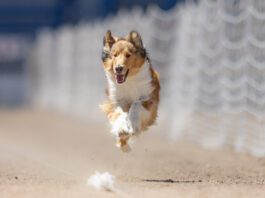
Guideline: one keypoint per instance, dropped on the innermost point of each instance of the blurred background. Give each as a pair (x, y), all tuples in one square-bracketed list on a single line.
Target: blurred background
[(21, 23), (210, 55)]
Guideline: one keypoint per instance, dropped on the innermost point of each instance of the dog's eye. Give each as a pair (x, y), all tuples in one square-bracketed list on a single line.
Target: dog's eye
[(115, 55), (127, 55)]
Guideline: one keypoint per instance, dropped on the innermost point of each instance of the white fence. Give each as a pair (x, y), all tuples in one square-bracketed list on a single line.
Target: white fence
[(211, 57), (218, 75)]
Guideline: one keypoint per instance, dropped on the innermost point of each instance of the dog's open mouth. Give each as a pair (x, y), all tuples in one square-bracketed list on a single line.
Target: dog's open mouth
[(121, 78)]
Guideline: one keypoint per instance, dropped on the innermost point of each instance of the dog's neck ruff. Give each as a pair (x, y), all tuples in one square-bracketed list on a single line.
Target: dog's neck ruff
[(137, 87)]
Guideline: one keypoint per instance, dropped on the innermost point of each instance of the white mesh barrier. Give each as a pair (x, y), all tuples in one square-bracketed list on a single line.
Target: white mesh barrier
[(211, 57), (218, 75), (41, 70)]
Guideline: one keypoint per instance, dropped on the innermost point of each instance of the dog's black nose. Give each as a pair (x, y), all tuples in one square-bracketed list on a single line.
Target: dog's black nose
[(119, 69)]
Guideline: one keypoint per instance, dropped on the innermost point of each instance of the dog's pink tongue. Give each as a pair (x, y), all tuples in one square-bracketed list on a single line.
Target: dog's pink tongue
[(120, 78)]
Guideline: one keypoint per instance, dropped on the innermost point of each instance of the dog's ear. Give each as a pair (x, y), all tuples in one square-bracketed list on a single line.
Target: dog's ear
[(135, 38), (108, 40)]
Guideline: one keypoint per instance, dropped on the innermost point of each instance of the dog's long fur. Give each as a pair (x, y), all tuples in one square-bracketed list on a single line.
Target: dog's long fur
[(133, 94)]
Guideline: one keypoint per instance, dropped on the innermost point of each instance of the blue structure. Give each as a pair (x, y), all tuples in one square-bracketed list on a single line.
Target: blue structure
[(26, 16)]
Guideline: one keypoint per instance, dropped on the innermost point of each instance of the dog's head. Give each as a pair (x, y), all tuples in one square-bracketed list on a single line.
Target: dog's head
[(123, 57)]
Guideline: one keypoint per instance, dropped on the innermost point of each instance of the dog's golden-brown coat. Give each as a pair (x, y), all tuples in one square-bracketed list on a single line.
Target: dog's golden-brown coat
[(133, 87)]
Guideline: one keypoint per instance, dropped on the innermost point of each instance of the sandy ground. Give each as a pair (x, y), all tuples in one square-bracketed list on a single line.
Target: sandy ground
[(48, 155)]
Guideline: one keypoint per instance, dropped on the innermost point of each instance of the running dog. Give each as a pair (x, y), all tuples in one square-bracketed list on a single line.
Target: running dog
[(133, 87)]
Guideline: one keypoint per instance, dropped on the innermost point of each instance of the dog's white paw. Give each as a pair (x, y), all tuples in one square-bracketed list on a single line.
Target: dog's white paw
[(120, 125)]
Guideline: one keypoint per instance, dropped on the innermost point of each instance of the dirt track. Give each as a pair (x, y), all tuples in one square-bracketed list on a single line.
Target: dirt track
[(47, 155)]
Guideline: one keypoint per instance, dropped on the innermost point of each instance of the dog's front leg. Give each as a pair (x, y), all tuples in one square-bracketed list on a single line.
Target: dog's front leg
[(137, 114), (119, 122), (134, 120), (121, 128)]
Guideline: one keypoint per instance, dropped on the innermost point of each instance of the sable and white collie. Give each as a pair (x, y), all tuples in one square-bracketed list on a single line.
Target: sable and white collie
[(133, 87)]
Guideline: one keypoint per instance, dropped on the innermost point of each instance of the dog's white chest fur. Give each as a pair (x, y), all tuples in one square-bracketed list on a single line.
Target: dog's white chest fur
[(135, 88)]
